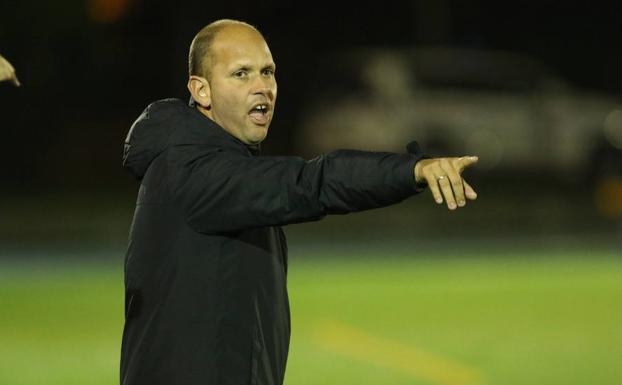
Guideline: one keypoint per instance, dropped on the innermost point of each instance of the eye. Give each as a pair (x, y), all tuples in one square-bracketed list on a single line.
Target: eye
[(240, 74), (267, 72)]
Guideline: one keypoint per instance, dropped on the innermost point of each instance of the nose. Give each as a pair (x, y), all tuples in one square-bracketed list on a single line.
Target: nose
[(264, 86)]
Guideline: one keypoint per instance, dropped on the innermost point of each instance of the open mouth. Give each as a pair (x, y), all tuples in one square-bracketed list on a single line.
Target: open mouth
[(259, 113)]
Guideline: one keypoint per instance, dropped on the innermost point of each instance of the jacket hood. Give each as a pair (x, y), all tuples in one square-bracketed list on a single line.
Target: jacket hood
[(170, 122)]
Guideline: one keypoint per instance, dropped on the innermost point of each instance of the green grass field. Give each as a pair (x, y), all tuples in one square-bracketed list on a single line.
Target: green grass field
[(539, 319)]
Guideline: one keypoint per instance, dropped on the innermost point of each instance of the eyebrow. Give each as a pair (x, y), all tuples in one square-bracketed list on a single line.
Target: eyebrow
[(241, 67), (247, 66)]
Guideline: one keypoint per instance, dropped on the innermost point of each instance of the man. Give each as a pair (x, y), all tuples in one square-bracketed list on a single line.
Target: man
[(7, 72), (205, 271)]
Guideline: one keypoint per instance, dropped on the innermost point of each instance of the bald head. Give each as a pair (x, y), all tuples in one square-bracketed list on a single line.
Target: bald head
[(201, 56)]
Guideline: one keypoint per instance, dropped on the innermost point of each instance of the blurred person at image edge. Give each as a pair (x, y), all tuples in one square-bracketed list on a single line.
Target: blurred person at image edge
[(7, 72)]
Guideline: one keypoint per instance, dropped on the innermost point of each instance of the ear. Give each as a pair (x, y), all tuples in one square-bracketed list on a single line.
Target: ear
[(200, 90)]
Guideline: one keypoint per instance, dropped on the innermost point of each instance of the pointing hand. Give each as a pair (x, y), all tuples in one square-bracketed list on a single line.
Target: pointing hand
[(443, 175)]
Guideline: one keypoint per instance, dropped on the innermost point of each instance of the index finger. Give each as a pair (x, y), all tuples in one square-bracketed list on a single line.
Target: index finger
[(465, 161)]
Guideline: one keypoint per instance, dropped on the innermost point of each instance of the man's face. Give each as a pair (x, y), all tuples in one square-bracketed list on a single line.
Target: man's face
[(242, 84)]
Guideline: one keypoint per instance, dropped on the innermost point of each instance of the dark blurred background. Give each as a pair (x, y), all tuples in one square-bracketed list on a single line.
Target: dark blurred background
[(88, 68)]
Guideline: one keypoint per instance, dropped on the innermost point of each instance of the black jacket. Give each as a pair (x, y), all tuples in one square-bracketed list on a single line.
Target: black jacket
[(205, 270)]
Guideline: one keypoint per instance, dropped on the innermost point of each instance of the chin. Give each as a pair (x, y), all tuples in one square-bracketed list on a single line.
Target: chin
[(259, 135)]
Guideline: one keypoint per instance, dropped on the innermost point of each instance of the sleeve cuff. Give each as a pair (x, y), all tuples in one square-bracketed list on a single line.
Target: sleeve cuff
[(409, 172), (415, 156)]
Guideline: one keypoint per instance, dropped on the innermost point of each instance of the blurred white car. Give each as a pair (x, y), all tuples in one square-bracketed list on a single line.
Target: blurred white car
[(507, 108)]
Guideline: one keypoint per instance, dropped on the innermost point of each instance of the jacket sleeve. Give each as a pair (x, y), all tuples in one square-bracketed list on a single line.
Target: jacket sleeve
[(221, 191)]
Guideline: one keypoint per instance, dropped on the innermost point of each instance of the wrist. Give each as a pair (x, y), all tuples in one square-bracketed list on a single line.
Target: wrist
[(418, 172)]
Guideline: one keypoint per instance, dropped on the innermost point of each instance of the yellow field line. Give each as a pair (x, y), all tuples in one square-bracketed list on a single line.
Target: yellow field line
[(383, 352)]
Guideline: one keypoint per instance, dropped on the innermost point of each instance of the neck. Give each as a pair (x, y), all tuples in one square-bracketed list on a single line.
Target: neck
[(209, 114)]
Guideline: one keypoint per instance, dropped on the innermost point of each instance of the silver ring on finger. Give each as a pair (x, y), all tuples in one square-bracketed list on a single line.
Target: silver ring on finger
[(440, 178)]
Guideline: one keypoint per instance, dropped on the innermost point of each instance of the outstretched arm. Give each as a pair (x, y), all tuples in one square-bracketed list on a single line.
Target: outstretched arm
[(220, 191), (7, 72)]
